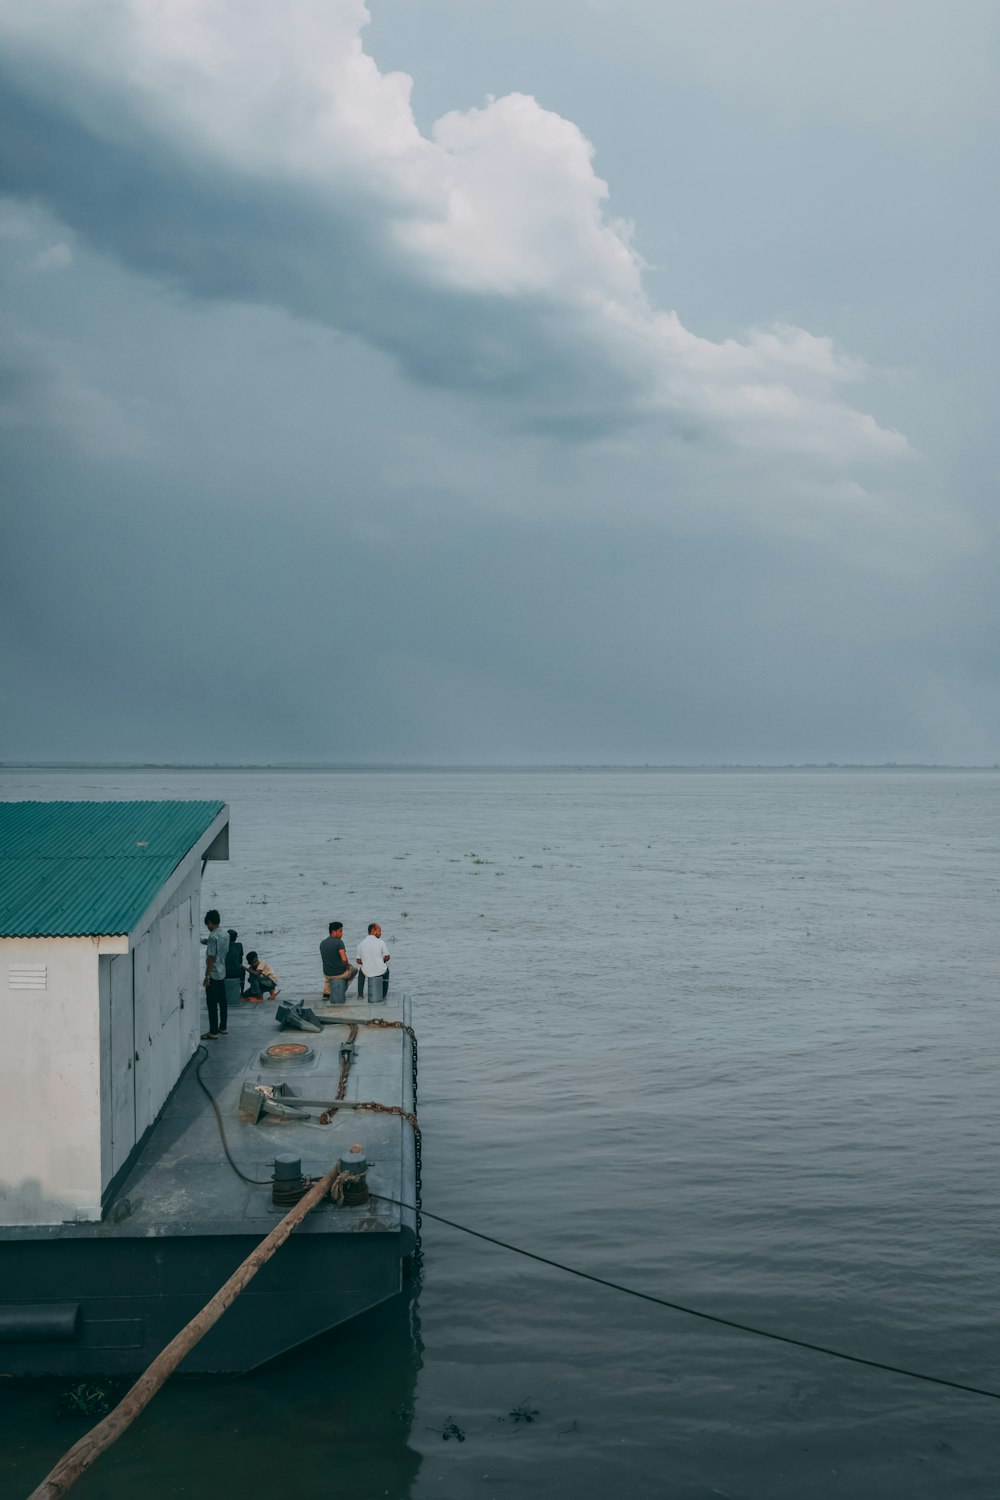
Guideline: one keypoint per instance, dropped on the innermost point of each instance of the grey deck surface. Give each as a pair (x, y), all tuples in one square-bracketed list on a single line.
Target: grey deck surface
[(182, 1183)]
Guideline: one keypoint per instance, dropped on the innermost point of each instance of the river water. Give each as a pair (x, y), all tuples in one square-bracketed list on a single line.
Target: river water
[(730, 1038)]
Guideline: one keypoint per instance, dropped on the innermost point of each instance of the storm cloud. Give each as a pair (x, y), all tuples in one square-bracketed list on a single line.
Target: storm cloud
[(257, 152), (344, 415)]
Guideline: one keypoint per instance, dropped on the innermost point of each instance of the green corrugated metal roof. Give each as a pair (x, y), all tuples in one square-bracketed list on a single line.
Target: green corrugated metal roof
[(80, 869)]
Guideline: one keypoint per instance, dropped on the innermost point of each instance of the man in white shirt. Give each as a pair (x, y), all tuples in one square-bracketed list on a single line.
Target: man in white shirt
[(373, 961)]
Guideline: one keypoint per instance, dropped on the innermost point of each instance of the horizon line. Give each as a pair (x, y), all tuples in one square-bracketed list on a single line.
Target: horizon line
[(304, 765)]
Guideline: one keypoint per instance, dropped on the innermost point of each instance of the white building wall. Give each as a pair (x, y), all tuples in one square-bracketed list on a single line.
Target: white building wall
[(94, 1034), (50, 1101), (104, 963), (87, 1062)]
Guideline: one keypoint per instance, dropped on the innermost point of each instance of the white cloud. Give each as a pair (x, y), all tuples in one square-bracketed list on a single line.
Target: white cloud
[(276, 163)]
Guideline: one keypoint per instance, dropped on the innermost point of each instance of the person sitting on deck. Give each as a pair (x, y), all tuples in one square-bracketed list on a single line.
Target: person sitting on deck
[(373, 961), (261, 979), (337, 968)]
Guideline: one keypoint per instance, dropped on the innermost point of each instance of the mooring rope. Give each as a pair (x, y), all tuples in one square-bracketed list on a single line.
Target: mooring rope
[(628, 1291), (695, 1312), (77, 1459)]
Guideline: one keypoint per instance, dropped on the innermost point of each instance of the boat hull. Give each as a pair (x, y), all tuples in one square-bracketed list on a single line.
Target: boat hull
[(133, 1296)]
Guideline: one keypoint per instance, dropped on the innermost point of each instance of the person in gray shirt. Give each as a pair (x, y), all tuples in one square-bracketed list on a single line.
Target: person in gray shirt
[(337, 970), (216, 949)]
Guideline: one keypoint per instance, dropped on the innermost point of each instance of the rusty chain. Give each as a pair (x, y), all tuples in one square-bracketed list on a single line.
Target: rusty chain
[(392, 1109), (345, 1068), (410, 1116), (345, 1064)]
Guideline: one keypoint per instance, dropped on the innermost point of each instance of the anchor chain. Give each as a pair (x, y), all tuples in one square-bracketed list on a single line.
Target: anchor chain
[(390, 1109), (345, 1068), (410, 1116), (345, 1063), (417, 1151)]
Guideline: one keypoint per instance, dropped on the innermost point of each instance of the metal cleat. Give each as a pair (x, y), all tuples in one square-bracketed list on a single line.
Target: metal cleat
[(294, 1018)]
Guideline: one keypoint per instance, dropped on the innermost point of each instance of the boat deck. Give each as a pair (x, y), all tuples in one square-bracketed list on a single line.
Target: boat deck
[(182, 1184)]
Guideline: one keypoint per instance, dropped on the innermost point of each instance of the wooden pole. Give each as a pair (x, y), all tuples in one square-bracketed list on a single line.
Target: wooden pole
[(93, 1443)]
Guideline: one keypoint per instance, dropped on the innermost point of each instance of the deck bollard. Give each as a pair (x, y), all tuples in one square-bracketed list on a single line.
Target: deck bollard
[(289, 1183), (355, 1162)]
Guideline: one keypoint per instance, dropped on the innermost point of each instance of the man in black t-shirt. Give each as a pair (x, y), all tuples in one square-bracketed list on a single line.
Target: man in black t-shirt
[(337, 971), (234, 966)]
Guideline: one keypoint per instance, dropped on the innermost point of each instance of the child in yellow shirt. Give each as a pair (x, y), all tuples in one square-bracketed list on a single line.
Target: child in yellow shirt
[(261, 980)]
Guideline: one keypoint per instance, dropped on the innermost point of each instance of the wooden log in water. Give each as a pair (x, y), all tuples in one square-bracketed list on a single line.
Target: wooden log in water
[(93, 1443)]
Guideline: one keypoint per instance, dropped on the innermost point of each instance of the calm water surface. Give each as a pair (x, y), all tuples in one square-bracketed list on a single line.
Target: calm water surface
[(730, 1038)]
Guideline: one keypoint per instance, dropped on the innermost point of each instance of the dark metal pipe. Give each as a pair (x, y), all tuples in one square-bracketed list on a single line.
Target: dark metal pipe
[(39, 1322)]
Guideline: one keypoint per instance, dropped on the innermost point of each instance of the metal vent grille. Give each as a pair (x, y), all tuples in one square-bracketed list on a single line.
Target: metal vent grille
[(28, 977)]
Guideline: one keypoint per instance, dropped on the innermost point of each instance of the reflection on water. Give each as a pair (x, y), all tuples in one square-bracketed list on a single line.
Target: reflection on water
[(334, 1418)]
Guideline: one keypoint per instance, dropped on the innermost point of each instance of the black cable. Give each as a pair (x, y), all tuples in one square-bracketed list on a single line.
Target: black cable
[(694, 1312), (254, 1181), (617, 1286)]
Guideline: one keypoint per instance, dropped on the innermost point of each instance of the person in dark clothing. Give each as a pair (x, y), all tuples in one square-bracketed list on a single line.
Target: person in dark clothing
[(337, 970), (234, 967)]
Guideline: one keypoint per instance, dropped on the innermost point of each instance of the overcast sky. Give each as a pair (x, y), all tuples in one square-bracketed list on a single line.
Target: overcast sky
[(464, 381)]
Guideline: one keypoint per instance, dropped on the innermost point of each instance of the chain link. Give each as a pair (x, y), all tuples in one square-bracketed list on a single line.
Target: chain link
[(345, 1063), (418, 1253)]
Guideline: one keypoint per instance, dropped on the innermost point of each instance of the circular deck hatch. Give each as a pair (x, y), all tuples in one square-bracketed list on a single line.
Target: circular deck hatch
[(287, 1054)]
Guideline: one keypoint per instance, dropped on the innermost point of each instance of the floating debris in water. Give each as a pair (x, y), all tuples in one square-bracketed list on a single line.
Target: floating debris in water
[(449, 1430), (522, 1412), (91, 1398)]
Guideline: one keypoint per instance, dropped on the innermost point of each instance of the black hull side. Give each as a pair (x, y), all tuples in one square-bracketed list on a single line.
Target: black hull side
[(134, 1295)]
